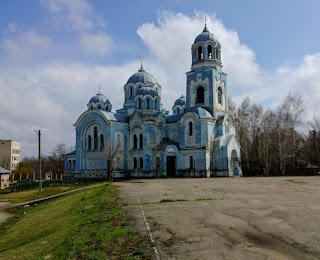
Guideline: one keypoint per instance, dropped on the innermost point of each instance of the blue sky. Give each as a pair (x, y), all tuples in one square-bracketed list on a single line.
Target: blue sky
[(54, 53)]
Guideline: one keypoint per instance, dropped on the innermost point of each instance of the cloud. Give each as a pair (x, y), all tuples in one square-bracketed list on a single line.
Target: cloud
[(24, 43), (99, 43), (77, 15)]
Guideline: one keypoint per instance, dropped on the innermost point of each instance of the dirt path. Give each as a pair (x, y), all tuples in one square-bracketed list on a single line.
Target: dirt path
[(234, 218), (4, 206)]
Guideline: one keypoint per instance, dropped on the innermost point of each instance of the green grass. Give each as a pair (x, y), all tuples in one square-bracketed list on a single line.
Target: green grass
[(87, 224), (27, 195)]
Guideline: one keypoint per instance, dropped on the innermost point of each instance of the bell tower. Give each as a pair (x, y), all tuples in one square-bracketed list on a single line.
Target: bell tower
[(206, 82)]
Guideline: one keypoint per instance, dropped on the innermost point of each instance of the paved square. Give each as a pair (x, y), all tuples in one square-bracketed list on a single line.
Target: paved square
[(228, 218)]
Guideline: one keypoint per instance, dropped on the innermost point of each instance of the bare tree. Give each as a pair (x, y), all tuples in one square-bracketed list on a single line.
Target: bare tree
[(213, 145), (110, 152)]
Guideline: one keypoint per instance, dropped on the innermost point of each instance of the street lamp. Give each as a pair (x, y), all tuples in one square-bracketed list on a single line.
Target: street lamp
[(40, 183)]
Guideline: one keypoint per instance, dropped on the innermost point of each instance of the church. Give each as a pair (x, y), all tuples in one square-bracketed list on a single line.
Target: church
[(143, 140)]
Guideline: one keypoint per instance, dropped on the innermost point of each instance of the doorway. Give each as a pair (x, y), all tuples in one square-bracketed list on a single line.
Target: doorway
[(171, 166)]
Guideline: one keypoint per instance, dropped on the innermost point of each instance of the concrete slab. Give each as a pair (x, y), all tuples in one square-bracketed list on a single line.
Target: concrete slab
[(229, 218)]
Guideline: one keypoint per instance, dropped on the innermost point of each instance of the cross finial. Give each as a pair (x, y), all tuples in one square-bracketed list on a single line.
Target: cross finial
[(205, 18), (99, 88), (182, 91), (141, 57)]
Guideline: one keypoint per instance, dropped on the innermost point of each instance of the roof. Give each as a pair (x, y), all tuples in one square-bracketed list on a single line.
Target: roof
[(147, 91), (99, 98), (181, 101), (72, 153), (205, 36), (142, 76), (4, 171), (112, 116), (199, 111), (225, 140)]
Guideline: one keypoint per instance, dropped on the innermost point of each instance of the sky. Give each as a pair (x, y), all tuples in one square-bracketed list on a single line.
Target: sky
[(54, 53)]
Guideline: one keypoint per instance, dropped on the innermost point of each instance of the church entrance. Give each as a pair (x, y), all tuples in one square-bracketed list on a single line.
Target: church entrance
[(171, 166), (234, 163)]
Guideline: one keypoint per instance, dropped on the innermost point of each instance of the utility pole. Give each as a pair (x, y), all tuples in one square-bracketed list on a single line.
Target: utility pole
[(39, 138)]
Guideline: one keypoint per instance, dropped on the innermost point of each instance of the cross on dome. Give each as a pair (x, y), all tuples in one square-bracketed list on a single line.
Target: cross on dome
[(99, 88), (141, 57), (205, 18)]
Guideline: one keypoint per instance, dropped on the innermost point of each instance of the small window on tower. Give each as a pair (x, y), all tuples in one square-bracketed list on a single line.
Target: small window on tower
[(131, 92), (178, 111), (139, 103), (99, 107), (199, 52), (148, 103), (200, 95), (157, 104), (220, 95), (209, 52)]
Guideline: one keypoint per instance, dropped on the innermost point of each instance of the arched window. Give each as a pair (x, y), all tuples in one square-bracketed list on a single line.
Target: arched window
[(130, 92), (191, 162), (190, 128), (139, 104), (141, 141), (99, 107), (220, 95), (135, 141), (148, 103), (141, 163), (200, 95), (199, 52), (118, 140), (107, 109), (178, 111), (95, 138), (101, 142), (89, 142), (209, 52), (135, 164), (157, 104), (74, 164), (217, 54)]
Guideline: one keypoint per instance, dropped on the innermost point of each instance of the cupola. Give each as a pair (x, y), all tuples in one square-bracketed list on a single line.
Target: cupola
[(179, 105), (100, 102)]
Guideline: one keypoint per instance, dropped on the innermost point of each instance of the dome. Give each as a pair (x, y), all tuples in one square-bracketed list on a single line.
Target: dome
[(147, 91), (205, 36), (142, 76), (181, 101), (99, 98)]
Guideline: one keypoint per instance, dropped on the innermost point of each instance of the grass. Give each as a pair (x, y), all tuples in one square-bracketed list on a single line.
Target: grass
[(27, 195), (88, 224)]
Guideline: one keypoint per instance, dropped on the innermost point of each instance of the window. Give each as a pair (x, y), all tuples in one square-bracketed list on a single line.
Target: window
[(200, 95), (135, 165), (141, 141), (101, 142), (89, 142), (217, 54), (95, 138), (178, 111), (141, 163), (139, 103), (130, 92), (74, 164), (209, 52), (157, 104), (118, 140), (148, 103), (99, 107), (107, 109), (220, 95), (199, 52), (135, 141), (190, 128), (191, 162)]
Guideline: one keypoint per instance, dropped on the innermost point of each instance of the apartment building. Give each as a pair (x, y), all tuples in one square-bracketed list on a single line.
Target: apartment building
[(9, 154)]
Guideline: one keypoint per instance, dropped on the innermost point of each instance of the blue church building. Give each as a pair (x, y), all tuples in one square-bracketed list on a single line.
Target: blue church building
[(143, 140)]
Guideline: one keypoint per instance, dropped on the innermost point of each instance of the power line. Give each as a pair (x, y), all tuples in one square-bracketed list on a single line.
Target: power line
[(12, 118)]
